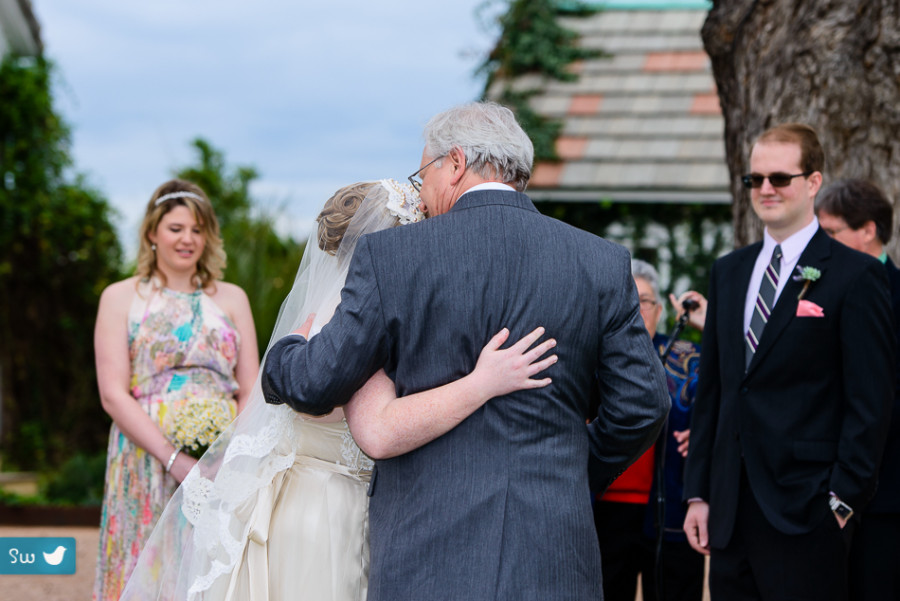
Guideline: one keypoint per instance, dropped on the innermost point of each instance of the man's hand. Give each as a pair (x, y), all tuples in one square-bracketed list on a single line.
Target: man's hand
[(697, 318), (695, 524), (841, 521), (683, 438)]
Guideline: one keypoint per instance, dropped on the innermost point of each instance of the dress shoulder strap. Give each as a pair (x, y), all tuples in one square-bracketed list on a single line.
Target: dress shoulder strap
[(140, 304)]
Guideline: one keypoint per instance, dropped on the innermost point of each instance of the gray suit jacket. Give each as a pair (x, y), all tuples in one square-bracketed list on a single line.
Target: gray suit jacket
[(498, 508)]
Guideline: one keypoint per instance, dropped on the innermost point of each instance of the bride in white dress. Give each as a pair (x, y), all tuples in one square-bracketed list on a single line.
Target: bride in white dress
[(277, 508)]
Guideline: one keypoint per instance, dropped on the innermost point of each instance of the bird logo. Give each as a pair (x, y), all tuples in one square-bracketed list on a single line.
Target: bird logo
[(55, 558)]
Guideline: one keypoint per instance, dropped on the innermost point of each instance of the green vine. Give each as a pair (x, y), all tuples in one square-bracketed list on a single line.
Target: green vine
[(533, 42)]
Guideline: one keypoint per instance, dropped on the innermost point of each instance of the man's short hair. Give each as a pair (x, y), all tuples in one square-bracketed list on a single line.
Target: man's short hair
[(812, 156), (494, 143), (645, 271), (858, 201)]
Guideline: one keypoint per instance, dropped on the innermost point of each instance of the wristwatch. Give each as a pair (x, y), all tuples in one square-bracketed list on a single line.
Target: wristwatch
[(842, 510)]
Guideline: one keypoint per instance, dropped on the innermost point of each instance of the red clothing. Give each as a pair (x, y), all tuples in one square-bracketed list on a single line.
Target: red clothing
[(633, 486)]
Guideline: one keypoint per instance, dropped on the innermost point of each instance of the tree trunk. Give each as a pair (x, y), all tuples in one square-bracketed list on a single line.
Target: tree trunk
[(833, 64)]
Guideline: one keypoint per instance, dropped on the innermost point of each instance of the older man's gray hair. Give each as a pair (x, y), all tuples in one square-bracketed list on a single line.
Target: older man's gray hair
[(646, 271), (494, 143)]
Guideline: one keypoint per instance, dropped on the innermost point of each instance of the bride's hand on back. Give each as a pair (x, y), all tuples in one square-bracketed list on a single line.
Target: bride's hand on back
[(502, 371), (386, 426), (306, 326)]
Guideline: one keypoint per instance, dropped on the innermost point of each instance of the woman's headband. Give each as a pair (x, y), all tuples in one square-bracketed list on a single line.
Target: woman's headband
[(171, 195)]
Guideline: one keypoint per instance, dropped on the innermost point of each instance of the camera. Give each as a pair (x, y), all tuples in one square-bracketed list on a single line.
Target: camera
[(689, 305)]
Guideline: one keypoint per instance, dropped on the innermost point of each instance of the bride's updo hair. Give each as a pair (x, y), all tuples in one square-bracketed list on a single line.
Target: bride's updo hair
[(337, 213)]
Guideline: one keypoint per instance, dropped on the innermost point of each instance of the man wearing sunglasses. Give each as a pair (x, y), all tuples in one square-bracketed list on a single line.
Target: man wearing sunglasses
[(795, 390)]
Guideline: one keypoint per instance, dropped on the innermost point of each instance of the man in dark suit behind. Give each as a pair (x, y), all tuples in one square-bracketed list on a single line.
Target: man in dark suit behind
[(499, 507), (794, 395), (856, 212)]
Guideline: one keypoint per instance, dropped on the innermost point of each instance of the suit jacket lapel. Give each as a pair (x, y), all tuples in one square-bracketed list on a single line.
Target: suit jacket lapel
[(814, 255), (734, 295)]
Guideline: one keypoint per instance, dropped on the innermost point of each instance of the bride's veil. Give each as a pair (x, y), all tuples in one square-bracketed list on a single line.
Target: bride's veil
[(201, 534)]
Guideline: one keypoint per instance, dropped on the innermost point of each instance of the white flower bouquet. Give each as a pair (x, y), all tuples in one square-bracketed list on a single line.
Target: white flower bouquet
[(192, 424)]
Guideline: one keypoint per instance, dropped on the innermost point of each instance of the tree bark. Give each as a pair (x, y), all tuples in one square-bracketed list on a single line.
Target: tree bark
[(833, 64)]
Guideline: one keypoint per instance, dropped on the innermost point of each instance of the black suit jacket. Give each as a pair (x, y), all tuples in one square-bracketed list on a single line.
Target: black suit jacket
[(809, 415), (887, 497)]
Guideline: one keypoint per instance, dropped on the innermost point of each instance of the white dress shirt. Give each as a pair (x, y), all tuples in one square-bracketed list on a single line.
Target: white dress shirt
[(791, 249)]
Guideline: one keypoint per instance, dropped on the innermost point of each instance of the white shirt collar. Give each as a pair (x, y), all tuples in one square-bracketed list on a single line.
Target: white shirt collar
[(792, 247), (488, 186)]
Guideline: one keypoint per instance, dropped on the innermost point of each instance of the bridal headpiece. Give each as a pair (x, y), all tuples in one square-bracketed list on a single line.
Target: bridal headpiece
[(180, 194), (403, 201)]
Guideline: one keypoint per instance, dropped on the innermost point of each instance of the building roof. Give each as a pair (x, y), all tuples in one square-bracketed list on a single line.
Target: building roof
[(643, 123), (637, 4), (19, 28)]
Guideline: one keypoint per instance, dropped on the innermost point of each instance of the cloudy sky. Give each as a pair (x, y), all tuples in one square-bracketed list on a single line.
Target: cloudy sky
[(314, 95)]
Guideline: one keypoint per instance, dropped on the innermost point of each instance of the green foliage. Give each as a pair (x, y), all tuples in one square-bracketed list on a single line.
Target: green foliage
[(230, 192), (259, 260), (79, 481), (58, 250), (533, 42), (14, 499)]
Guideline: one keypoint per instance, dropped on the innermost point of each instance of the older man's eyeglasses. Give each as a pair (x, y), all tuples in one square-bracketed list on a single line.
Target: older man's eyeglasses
[(778, 180), (647, 304), (415, 180)]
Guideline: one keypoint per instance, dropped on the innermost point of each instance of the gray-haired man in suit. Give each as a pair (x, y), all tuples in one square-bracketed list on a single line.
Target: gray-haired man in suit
[(499, 507)]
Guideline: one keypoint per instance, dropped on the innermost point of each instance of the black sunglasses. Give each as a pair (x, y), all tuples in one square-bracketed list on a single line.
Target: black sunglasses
[(778, 180)]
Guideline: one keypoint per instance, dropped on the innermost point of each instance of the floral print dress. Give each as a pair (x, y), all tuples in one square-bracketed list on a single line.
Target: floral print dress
[(183, 349)]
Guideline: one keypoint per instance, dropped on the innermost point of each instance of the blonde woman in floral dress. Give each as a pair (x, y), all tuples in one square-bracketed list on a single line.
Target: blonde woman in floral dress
[(170, 341)]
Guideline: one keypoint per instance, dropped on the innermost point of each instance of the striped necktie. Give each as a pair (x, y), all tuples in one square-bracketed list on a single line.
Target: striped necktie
[(763, 308)]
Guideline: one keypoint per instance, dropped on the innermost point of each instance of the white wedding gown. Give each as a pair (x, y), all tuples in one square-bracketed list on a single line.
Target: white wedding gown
[(279, 514), (307, 533)]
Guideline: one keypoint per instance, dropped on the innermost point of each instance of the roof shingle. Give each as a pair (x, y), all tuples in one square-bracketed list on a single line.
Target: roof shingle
[(641, 124)]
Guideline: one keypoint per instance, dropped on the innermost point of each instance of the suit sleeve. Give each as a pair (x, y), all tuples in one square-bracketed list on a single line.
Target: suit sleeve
[(705, 413), (314, 376), (868, 349), (634, 398)]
